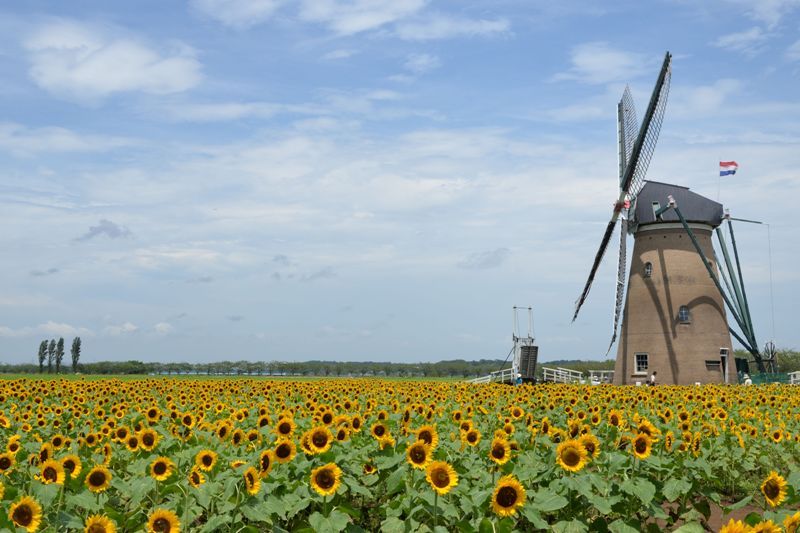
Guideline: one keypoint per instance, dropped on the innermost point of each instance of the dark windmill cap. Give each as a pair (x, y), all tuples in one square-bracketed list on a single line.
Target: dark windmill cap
[(694, 207)]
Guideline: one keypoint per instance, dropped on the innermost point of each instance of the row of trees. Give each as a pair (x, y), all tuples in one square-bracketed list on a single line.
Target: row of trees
[(52, 352)]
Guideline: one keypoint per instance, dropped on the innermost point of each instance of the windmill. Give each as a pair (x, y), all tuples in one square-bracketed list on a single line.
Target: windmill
[(674, 319)]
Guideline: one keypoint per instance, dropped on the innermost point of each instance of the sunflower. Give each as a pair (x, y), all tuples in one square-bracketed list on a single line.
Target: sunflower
[(642, 446), (72, 465), (369, 468), (428, 435), (196, 477), (500, 451), (320, 439), (285, 428), (386, 440), (163, 521), (132, 443), (206, 459), (6, 462), (774, 489), (26, 513), (791, 524), (766, 527), (161, 468), (591, 444), (418, 455), (52, 472), (2, 490), (285, 451), (148, 438), (441, 476), (571, 455), (379, 430), (265, 461), (509, 495), (100, 524), (325, 480), (735, 526), (98, 479), (472, 437), (252, 481)]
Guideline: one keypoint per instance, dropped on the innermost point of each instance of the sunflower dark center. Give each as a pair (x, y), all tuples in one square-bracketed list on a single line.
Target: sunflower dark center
[(571, 457), (441, 478), (325, 479), (69, 465), (772, 490), (50, 474), (285, 428), (589, 446), (160, 468), (418, 454), (97, 479), (162, 524), (195, 478), (640, 445), (507, 496), (426, 436), (22, 515), (283, 451), (250, 478), (379, 431), (207, 460), (96, 528), (327, 418), (5, 463), (472, 437), (498, 452), (147, 439), (265, 463), (320, 439)]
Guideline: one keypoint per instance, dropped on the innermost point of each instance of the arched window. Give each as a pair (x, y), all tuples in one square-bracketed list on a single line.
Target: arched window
[(683, 315), (648, 269)]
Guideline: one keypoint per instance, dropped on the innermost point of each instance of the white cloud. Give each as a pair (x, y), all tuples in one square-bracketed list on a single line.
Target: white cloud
[(121, 329), (163, 328), (793, 52), (422, 63), (768, 11), (49, 328), (438, 26), (24, 141), (238, 13), (340, 53), (702, 100), (86, 63), (748, 42), (348, 17), (599, 62)]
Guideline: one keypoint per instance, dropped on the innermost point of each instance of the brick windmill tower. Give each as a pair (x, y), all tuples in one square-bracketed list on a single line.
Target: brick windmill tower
[(674, 319)]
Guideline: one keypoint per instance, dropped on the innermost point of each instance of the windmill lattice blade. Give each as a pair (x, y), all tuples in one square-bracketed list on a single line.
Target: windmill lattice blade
[(630, 124), (647, 137), (621, 269), (597, 259)]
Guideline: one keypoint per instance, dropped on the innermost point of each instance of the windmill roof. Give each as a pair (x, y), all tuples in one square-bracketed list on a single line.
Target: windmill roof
[(693, 206)]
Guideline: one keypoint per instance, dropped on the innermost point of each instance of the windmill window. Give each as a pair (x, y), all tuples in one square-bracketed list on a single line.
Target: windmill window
[(648, 269), (641, 363), (683, 315)]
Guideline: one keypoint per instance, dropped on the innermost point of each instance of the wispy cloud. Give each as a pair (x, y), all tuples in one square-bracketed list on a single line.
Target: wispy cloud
[(769, 12), (340, 53), (86, 63), (163, 328), (107, 228), (749, 42), (440, 26), (238, 14), (483, 260), (121, 329), (422, 63), (43, 273), (323, 273), (599, 62), (348, 17), (25, 141), (49, 328), (793, 52)]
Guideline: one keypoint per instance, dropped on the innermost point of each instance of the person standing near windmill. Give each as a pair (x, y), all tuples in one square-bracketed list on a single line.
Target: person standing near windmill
[(652, 380)]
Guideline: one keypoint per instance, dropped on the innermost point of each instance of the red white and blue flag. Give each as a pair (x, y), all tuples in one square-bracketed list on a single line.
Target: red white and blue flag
[(727, 168)]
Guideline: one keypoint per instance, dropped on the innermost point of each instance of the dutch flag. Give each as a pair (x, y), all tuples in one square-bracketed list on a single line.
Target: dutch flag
[(727, 168)]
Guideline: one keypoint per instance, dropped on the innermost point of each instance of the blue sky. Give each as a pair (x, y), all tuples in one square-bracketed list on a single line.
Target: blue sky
[(367, 179)]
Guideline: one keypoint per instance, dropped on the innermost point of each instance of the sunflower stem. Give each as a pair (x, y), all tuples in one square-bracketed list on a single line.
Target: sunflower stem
[(435, 508)]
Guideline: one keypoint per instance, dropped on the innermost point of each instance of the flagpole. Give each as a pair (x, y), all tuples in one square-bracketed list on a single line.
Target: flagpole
[(719, 181)]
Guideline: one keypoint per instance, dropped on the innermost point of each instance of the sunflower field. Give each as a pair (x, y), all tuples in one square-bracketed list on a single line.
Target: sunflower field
[(251, 455)]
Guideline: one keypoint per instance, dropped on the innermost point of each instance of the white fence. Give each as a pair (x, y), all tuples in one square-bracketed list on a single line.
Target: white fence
[(499, 376), (794, 378), (561, 375)]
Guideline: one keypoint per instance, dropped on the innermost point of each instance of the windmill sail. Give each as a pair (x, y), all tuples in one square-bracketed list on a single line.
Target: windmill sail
[(636, 167), (621, 270)]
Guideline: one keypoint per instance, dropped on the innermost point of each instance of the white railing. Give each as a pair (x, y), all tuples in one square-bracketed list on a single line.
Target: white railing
[(561, 375), (794, 378), (498, 376), (597, 377)]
